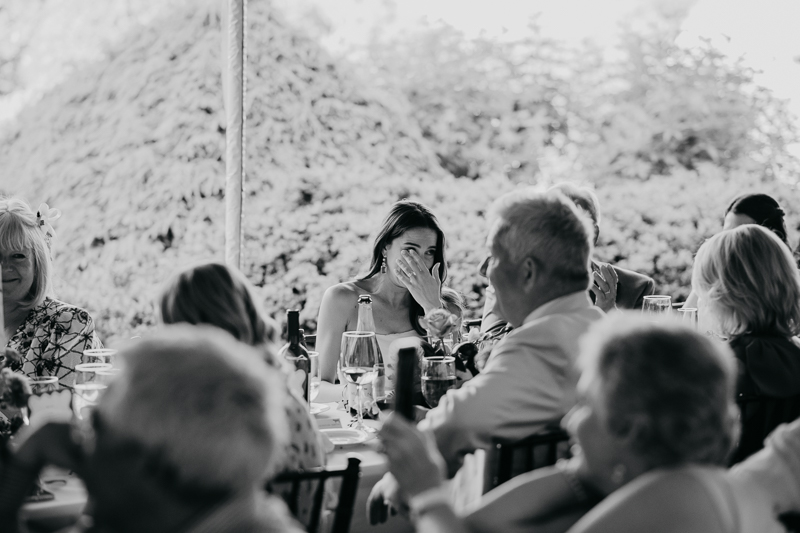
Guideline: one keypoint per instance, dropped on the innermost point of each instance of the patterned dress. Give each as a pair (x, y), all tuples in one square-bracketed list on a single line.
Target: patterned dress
[(52, 339)]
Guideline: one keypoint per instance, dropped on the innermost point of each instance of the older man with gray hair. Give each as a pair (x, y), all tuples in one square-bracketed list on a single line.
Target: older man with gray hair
[(538, 260), (181, 441)]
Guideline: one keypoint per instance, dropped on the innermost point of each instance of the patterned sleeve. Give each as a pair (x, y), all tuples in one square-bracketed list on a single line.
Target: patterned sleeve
[(60, 346)]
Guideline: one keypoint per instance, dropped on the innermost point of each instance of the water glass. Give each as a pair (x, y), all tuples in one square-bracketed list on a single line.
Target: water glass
[(88, 387), (438, 376), (313, 375), (99, 355), (689, 317), (657, 305), (43, 384), (358, 358)]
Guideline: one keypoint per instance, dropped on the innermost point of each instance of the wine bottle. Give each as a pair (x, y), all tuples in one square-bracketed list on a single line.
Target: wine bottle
[(367, 323), (294, 351)]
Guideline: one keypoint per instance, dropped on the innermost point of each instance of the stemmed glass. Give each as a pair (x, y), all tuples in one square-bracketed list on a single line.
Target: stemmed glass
[(358, 359), (98, 355), (88, 386), (657, 305), (438, 376), (689, 317)]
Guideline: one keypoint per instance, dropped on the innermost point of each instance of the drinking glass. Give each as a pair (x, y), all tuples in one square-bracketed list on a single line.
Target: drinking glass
[(689, 317), (106, 376), (98, 355), (657, 305), (358, 359), (438, 376), (313, 375), (43, 384), (88, 387)]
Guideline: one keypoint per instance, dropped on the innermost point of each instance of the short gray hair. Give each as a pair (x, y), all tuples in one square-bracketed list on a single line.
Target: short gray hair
[(679, 385), (548, 228), (204, 400)]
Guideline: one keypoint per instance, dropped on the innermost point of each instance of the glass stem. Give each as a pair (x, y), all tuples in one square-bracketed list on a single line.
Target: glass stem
[(358, 401)]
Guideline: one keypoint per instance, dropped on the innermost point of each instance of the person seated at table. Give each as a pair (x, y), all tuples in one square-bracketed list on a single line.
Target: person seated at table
[(653, 427), (404, 279), (612, 287), (539, 245), (48, 334), (752, 208), (181, 441), (221, 296), (748, 290)]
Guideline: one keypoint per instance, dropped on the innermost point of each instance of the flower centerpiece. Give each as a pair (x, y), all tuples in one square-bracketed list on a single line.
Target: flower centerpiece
[(14, 393), (440, 323)]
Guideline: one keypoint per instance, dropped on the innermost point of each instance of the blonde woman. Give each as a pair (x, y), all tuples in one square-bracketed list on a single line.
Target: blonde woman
[(48, 334), (748, 291), (221, 296)]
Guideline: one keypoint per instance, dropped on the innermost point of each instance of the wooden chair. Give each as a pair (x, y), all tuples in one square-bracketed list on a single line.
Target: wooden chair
[(508, 459), (347, 493)]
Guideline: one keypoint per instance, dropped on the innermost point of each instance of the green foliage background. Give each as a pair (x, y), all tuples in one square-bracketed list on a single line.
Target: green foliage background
[(131, 150)]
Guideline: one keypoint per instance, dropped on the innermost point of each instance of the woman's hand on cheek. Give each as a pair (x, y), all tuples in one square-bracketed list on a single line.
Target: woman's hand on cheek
[(424, 287)]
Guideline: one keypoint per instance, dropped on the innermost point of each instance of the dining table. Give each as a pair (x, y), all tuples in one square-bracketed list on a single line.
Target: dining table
[(70, 495)]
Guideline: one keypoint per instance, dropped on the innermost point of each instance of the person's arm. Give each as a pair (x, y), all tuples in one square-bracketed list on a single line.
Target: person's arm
[(517, 393), (334, 311)]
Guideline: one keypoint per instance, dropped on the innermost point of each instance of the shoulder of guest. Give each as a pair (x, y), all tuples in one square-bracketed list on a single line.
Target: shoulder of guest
[(55, 307), (343, 293)]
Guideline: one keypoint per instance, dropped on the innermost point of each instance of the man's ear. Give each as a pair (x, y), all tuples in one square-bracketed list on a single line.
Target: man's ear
[(529, 273)]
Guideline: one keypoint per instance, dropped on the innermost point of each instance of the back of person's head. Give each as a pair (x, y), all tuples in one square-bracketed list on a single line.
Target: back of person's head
[(748, 281), (551, 230), (764, 210), (205, 404), (669, 385), (218, 295), (20, 230)]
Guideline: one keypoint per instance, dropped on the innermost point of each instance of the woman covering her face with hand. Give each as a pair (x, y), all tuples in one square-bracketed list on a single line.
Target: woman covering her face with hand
[(404, 279)]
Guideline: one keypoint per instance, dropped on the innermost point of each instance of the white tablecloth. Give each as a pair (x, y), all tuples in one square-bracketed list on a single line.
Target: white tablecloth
[(70, 495)]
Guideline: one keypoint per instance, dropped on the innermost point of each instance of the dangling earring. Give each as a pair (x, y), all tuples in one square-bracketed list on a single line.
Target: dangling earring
[(618, 474), (383, 265)]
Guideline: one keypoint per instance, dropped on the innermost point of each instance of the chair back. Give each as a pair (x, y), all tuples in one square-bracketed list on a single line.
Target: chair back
[(760, 415), (508, 459), (347, 493)]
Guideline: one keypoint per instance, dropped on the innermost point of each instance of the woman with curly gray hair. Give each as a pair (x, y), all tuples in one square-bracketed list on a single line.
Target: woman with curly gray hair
[(653, 427)]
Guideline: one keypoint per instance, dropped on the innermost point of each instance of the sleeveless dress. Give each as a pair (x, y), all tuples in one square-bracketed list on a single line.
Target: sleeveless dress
[(389, 355)]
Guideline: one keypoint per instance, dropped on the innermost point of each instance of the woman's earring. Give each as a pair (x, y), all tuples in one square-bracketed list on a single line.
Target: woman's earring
[(618, 474), (383, 265)]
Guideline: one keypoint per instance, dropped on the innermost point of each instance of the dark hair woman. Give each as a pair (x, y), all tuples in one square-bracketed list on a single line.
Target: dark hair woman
[(404, 279), (756, 208)]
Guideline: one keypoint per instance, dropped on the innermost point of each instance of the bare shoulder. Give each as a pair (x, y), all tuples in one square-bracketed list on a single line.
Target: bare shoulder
[(342, 296)]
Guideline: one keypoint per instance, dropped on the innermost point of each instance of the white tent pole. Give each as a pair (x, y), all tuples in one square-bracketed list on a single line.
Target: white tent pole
[(233, 83)]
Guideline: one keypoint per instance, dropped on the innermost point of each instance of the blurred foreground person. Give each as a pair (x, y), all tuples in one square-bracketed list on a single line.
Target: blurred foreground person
[(654, 425), (538, 250), (221, 296), (49, 335), (180, 442), (749, 294)]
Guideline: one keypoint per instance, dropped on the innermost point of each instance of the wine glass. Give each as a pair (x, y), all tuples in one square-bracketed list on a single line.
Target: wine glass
[(313, 375), (438, 376), (657, 305), (98, 355), (88, 386), (358, 359), (43, 384), (689, 317)]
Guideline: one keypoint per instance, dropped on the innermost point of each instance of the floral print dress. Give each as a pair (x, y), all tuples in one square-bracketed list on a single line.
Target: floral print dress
[(52, 339)]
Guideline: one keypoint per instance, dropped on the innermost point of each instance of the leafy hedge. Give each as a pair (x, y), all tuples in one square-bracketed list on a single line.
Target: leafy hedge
[(131, 150)]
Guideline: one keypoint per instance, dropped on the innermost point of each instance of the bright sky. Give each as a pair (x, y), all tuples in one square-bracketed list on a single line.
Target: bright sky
[(764, 32)]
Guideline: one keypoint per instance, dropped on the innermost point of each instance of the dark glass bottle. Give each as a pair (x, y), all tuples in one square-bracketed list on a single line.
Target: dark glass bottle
[(294, 351)]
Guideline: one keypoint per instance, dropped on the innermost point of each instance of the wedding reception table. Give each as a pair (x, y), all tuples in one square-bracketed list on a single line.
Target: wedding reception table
[(70, 495)]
